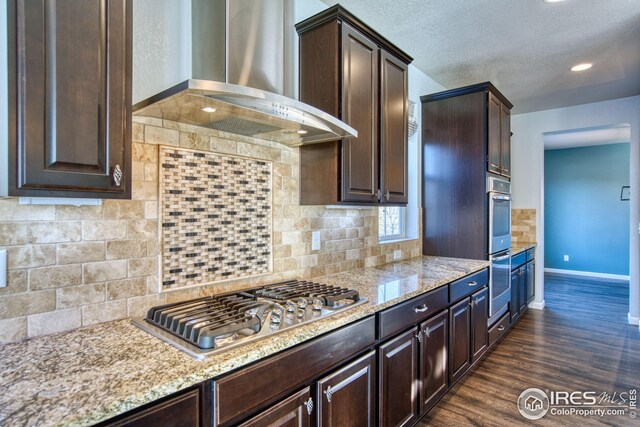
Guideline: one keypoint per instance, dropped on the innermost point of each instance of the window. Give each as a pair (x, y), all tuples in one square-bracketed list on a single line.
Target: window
[(392, 223)]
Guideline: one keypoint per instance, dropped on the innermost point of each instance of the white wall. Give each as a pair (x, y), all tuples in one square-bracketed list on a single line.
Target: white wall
[(161, 45), (527, 157)]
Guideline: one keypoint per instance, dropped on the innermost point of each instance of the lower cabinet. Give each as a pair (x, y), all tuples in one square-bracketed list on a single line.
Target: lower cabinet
[(433, 360), (398, 379), (180, 410), (295, 411), (468, 335), (346, 397), (522, 289)]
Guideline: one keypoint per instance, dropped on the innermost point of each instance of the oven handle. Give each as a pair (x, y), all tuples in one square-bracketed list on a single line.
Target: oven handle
[(500, 197), (501, 258)]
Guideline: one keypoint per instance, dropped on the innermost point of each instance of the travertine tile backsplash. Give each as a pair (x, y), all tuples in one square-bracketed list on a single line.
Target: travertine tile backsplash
[(523, 225), (72, 266)]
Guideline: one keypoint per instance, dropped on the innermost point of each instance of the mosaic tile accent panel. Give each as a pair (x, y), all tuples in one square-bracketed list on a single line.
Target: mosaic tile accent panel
[(216, 217)]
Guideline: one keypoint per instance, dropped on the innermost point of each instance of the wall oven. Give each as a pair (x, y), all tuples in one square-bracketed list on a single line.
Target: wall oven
[(499, 193)]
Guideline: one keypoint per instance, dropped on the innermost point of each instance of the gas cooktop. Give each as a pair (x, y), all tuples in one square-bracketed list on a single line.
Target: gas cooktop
[(209, 325)]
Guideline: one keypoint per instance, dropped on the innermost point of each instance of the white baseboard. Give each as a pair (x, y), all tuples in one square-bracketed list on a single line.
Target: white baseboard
[(537, 305), (633, 320), (587, 273)]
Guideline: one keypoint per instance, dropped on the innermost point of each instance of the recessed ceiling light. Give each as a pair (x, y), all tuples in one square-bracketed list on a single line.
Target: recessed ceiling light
[(209, 110), (552, 1), (582, 67), (302, 132)]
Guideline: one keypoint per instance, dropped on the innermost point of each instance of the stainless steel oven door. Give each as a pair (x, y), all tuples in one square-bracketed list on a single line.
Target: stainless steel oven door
[(499, 284), (499, 222)]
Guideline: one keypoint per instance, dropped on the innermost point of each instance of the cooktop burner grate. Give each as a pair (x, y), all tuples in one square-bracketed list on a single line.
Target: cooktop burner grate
[(205, 325)]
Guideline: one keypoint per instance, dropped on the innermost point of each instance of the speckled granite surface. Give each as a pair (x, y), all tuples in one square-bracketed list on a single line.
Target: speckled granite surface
[(517, 247), (95, 373)]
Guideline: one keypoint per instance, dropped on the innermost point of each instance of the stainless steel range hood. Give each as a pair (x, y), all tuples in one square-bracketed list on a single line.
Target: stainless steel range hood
[(238, 67)]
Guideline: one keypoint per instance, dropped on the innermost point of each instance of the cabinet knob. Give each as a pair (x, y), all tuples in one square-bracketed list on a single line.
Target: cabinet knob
[(116, 175), (421, 309), (427, 333), (473, 283), (419, 336), (501, 328), (309, 405), (387, 195), (379, 195)]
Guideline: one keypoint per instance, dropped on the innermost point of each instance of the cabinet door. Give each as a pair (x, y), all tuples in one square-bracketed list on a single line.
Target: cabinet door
[(295, 411), (494, 140), (505, 141), (346, 398), (531, 281), (70, 98), (394, 106), (433, 360), (179, 411), (398, 378), (359, 110), (459, 339), (479, 330), (514, 305), (522, 288)]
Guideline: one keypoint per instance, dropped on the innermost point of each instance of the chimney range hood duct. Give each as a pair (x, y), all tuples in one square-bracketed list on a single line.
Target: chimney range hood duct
[(238, 67)]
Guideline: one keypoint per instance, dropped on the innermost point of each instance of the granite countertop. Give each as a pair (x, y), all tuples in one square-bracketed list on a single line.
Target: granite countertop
[(517, 247), (94, 373)]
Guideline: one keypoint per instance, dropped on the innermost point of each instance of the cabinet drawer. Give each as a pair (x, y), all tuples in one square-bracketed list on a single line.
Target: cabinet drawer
[(254, 388), (531, 254), (499, 329), (518, 260), (413, 311), (468, 285)]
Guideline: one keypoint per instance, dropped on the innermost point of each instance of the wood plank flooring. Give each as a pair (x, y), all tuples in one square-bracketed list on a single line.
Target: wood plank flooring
[(580, 341)]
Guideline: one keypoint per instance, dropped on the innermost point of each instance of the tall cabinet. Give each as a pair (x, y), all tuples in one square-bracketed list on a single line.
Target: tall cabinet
[(351, 72), (465, 138)]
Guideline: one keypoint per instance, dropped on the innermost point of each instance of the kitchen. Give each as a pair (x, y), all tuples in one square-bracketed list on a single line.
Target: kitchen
[(96, 262)]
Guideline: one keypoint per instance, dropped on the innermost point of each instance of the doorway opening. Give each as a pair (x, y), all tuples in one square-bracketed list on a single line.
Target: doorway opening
[(586, 203)]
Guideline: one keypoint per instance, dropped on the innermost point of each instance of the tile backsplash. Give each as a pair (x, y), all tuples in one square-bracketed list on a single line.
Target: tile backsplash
[(523, 225), (72, 266)]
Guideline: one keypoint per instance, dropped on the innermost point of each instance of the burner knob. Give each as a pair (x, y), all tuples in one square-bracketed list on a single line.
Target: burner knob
[(302, 303), (291, 306), (317, 304), (275, 318)]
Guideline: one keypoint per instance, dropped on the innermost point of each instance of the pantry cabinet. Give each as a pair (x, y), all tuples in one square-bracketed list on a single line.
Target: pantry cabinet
[(351, 72), (70, 98)]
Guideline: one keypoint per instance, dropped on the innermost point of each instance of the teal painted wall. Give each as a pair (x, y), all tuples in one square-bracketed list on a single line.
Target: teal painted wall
[(583, 215)]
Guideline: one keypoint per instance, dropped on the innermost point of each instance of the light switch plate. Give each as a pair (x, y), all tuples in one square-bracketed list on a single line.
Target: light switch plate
[(566, 258), (315, 241), (3, 268), (397, 254)]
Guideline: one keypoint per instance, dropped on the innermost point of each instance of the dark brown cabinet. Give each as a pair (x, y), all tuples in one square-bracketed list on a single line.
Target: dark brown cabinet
[(351, 72), (294, 411), (465, 136), (70, 98), (433, 360), (499, 136), (459, 339), (182, 410), (468, 334), (514, 305), (479, 316), (531, 280), (346, 398), (522, 283), (398, 380)]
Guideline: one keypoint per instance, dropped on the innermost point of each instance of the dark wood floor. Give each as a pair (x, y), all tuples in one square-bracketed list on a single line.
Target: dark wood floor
[(580, 341)]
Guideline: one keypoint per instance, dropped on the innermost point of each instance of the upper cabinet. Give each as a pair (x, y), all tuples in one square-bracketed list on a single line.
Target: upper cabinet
[(70, 98), (499, 134), (354, 74)]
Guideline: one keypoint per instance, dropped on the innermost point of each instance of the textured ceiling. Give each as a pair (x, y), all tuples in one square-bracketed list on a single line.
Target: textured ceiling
[(586, 137), (524, 47)]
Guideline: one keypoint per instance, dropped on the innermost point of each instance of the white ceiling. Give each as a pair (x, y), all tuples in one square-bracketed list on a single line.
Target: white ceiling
[(587, 137), (524, 47)]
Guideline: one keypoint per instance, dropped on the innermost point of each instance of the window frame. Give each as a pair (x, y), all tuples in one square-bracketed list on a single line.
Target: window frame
[(402, 224)]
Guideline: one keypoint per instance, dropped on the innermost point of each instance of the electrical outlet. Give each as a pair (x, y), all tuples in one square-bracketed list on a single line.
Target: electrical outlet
[(397, 254), (315, 241), (3, 268), (566, 258)]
